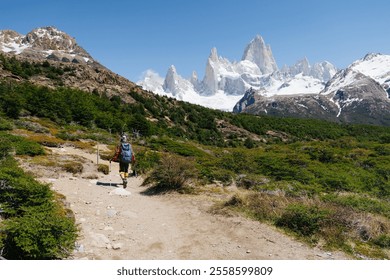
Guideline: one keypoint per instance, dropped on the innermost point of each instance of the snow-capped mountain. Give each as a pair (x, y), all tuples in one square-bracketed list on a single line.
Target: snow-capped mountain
[(44, 43), (225, 82), (359, 93), (260, 54), (375, 66), (79, 69)]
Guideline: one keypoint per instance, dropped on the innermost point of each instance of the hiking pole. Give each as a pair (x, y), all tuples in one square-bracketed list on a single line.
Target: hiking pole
[(109, 172)]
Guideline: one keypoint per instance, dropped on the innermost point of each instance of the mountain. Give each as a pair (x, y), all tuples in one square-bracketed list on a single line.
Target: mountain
[(260, 54), (358, 94), (45, 43), (77, 68), (225, 82)]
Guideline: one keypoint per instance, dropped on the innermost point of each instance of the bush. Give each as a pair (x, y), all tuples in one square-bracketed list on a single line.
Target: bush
[(42, 233), (5, 147), (36, 225), (73, 167), (5, 125), (146, 160), (103, 168), (382, 241), (172, 172), (302, 219), (21, 145)]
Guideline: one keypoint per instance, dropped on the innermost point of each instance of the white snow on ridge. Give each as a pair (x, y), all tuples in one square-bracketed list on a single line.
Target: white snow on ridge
[(375, 66), (40, 41), (299, 84), (342, 79)]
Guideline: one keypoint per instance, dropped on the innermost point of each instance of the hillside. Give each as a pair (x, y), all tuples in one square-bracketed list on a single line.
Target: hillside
[(49, 57), (322, 183)]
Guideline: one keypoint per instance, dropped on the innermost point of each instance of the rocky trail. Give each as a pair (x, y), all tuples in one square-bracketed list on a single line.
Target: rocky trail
[(117, 223)]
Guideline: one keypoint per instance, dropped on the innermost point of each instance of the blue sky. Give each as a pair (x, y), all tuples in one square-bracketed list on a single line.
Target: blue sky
[(130, 37)]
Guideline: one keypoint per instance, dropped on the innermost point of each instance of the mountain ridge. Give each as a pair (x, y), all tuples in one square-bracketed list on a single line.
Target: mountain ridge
[(229, 80), (357, 94), (50, 47)]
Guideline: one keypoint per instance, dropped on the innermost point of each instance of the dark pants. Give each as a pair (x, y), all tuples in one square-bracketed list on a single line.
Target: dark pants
[(124, 167)]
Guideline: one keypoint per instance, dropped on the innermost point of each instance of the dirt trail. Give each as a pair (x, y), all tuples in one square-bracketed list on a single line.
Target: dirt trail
[(119, 223)]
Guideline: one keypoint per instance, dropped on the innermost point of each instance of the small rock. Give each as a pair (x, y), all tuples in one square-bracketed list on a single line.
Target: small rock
[(248, 251), (117, 246), (108, 228), (111, 213), (79, 248), (99, 240), (120, 192)]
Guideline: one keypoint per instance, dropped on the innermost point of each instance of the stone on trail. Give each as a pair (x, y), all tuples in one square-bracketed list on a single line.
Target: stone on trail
[(120, 192)]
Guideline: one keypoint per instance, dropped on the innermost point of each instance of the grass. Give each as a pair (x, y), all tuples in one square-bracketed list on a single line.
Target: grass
[(318, 221)]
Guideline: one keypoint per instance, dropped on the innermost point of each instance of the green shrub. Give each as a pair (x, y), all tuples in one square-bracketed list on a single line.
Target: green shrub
[(21, 145), (146, 160), (5, 125), (302, 219), (41, 233), (5, 147), (382, 241), (19, 190), (360, 202), (35, 225)]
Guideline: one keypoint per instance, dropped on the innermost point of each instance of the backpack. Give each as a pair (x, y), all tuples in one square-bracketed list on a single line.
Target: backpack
[(126, 153)]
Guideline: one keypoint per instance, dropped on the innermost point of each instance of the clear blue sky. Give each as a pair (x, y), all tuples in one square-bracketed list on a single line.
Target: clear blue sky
[(130, 37)]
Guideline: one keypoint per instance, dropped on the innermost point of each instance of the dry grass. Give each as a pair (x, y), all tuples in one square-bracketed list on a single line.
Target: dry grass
[(73, 167), (103, 168), (315, 221)]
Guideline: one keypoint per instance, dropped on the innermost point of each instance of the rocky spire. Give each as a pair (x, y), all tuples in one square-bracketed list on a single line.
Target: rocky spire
[(170, 80), (260, 54), (210, 80)]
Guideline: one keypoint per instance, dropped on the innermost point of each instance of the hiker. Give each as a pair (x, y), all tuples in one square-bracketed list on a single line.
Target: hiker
[(124, 155)]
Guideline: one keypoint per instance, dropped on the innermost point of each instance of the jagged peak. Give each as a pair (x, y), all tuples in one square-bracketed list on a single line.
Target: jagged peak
[(214, 54), (172, 69), (370, 56), (194, 76), (10, 33), (260, 54), (50, 38), (257, 39), (304, 60)]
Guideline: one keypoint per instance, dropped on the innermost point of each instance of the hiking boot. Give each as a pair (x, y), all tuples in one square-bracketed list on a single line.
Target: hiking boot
[(124, 183)]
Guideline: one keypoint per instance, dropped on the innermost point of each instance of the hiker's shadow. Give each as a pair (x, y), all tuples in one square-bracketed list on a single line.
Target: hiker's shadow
[(105, 184)]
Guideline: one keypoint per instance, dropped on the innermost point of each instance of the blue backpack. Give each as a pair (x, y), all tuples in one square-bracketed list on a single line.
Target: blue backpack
[(126, 153)]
